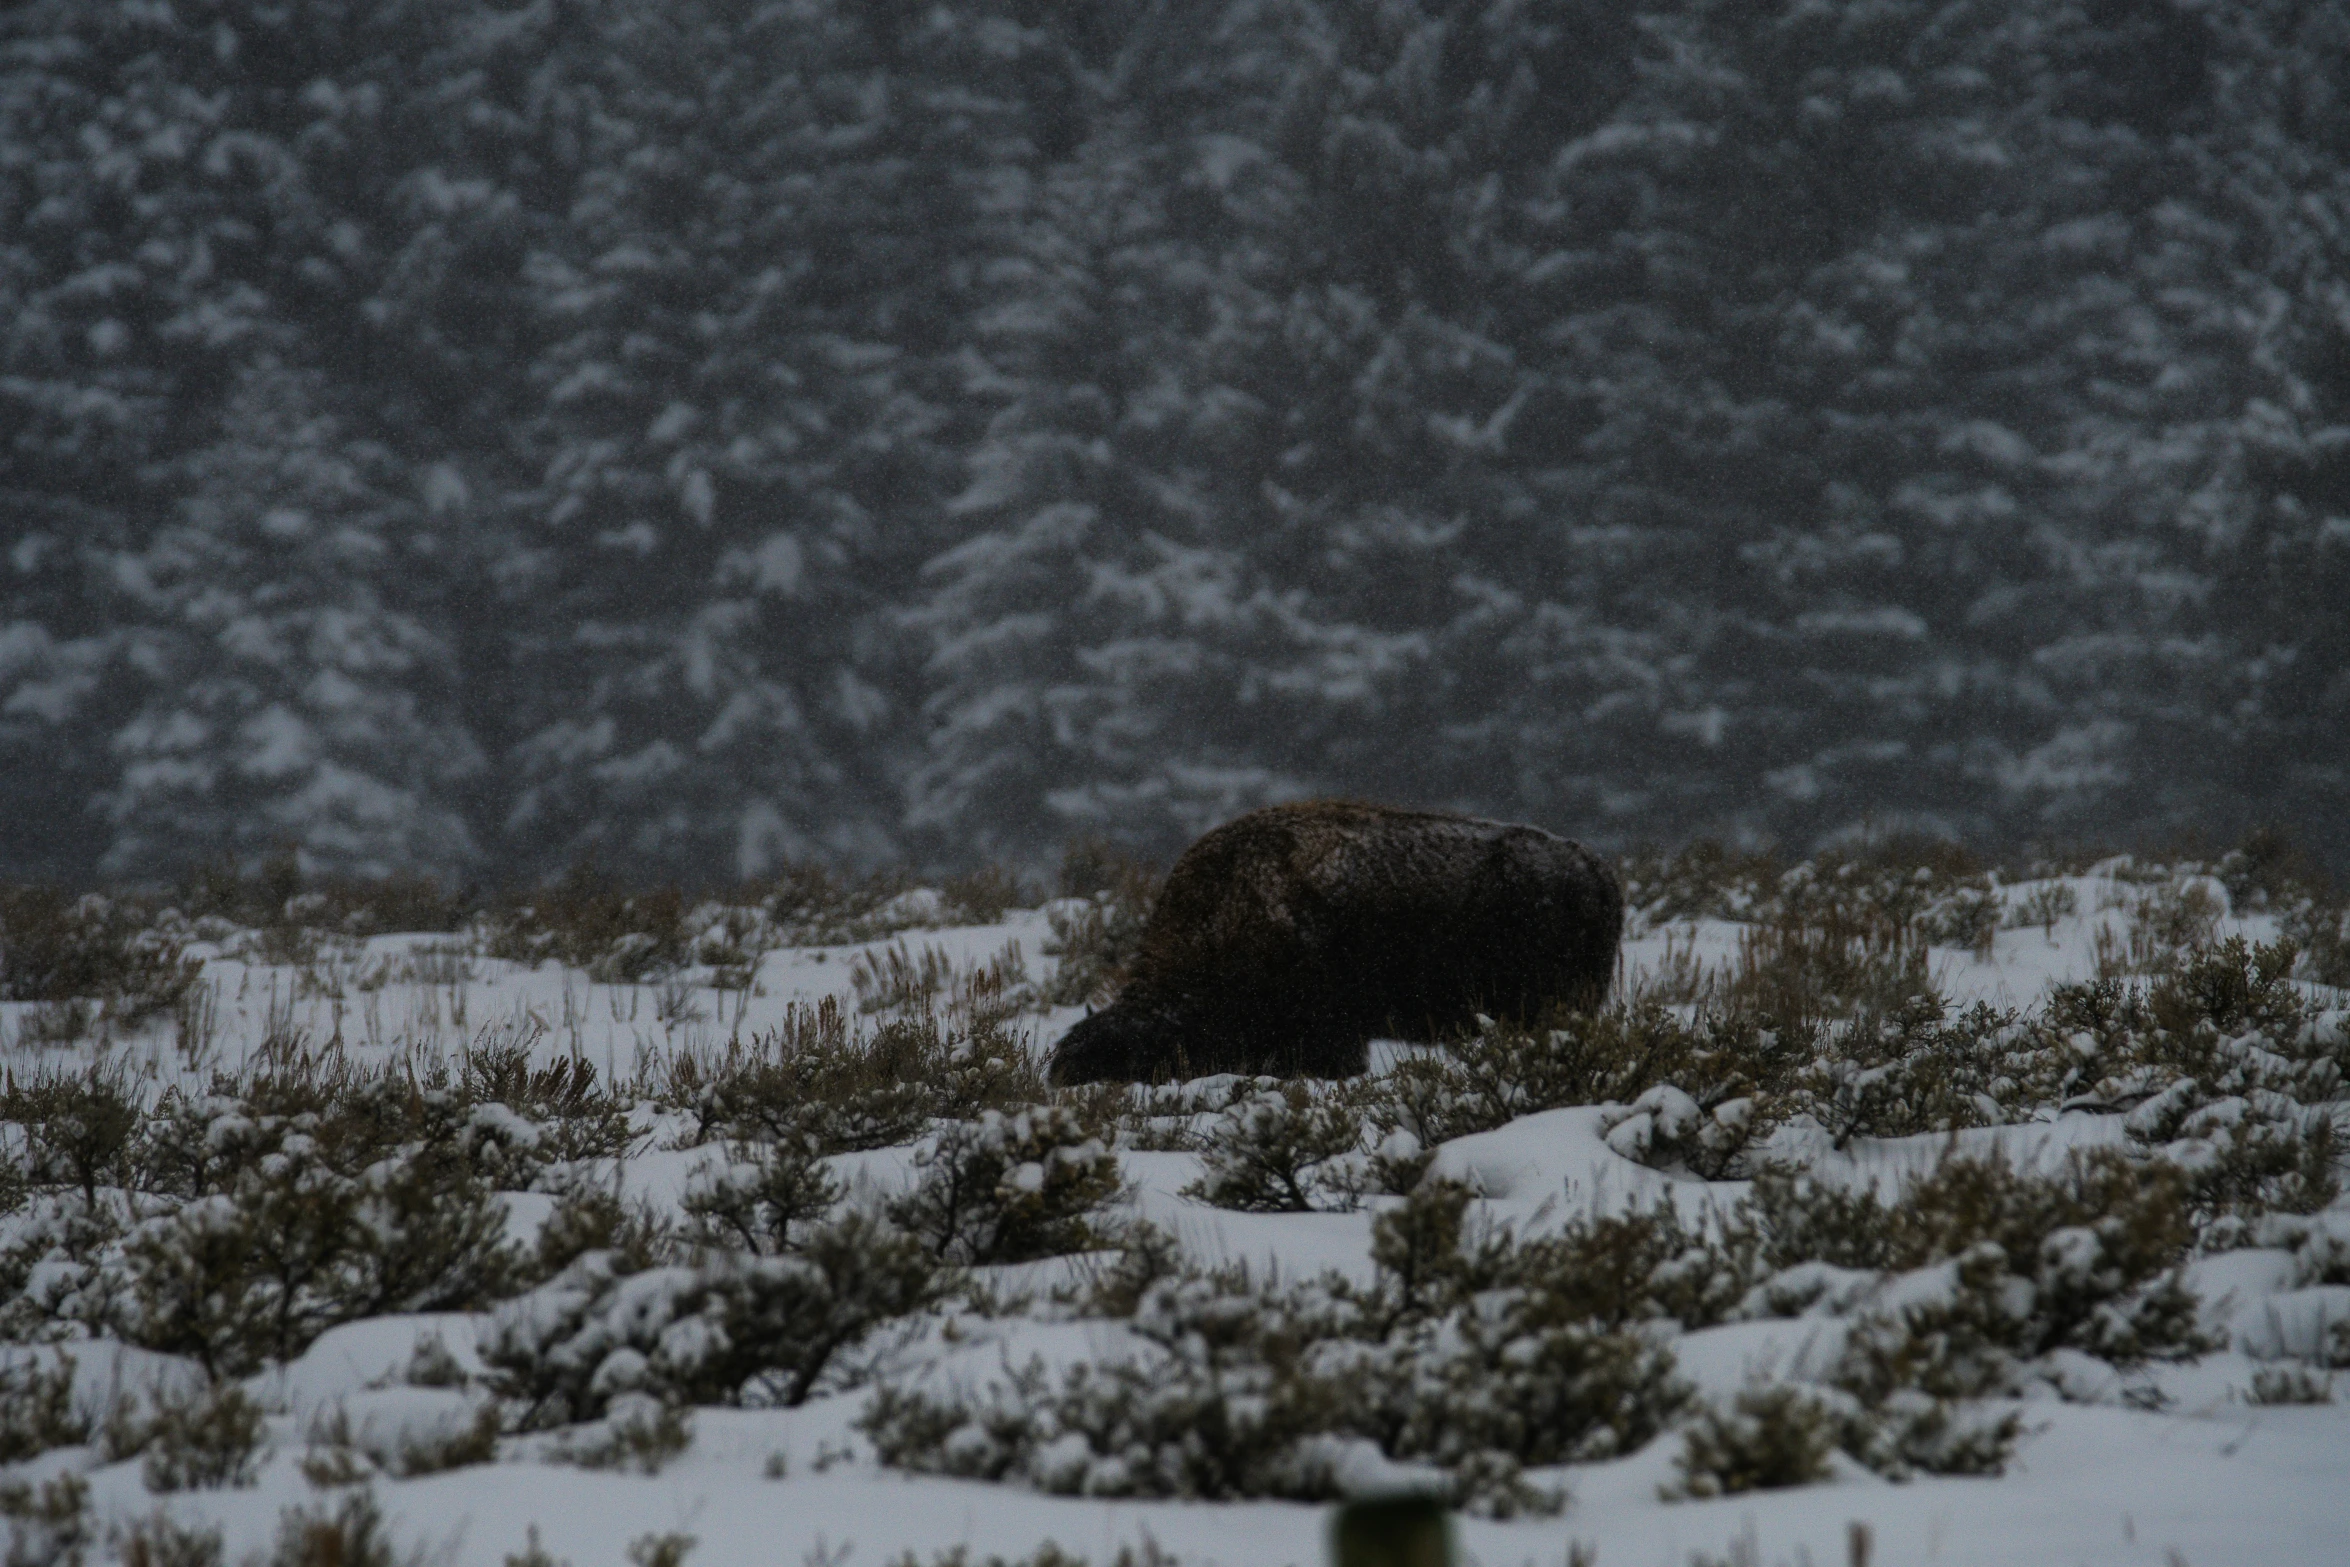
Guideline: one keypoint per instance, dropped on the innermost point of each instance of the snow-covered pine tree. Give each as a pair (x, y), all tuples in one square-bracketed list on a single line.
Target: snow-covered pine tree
[(1245, 520), (1088, 636), (2277, 721), (197, 342), (298, 693), (744, 422), (1885, 343)]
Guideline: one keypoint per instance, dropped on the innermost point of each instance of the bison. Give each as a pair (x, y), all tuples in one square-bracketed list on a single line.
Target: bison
[(1288, 938)]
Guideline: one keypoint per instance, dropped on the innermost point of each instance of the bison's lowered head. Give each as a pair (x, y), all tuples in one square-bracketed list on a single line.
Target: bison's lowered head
[(1123, 1043), (1152, 1035)]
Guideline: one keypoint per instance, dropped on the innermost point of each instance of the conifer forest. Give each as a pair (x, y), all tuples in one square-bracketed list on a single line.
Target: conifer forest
[(475, 438)]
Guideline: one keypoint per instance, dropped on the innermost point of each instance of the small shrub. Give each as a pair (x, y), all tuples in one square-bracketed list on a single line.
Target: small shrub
[(37, 1410), (1807, 966), (2234, 987), (1445, 1366), (2243, 1155), (2290, 1385), (534, 1554), (431, 1364), (1010, 1188), (157, 1541), (895, 979), (1911, 1070), (336, 1455), (729, 1328), (62, 949), (1798, 1219), (1501, 1381), (1703, 880), (1146, 1255), (981, 896), (585, 921), (2223, 1067), (48, 1524), (1423, 1253), (816, 1077), (1247, 1394), (2322, 931), (1613, 1270), (660, 1550), (1953, 1333), (53, 1025), (1912, 1433), (1641, 1265), (57, 1273), (1047, 1554), (2044, 906), (1665, 1129), (765, 1198), (639, 1433), (460, 1447), (319, 1217), (1766, 1438), (590, 1217), (2320, 1244), (276, 896), (205, 1442), (238, 1281), (1504, 1071), (2083, 1259), (429, 1236), (574, 1115), (351, 1534), (2173, 919), (1292, 1148), (809, 906), (1224, 1414), (81, 1129)]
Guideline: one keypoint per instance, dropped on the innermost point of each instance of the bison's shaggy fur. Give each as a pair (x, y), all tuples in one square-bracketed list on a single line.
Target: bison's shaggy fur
[(1285, 940)]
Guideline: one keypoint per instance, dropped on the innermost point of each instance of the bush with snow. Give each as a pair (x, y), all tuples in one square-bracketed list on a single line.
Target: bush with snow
[(159, 1540), (1010, 1187), (1667, 1129), (847, 1169), (114, 952), (763, 1199), (733, 1327), (1766, 1437), (49, 1523), (73, 1129), (199, 1439), (820, 1075), (1461, 1364), (293, 1245), (1291, 1147), (2085, 1259), (37, 1408), (348, 1533)]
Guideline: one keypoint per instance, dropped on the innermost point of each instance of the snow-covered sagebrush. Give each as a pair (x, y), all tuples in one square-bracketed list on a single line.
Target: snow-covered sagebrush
[(1865, 1187)]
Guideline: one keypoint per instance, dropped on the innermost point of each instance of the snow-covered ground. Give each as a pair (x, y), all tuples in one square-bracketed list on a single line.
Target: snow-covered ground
[(2206, 1478)]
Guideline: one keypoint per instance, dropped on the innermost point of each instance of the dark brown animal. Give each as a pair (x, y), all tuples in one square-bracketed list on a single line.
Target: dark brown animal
[(1287, 939)]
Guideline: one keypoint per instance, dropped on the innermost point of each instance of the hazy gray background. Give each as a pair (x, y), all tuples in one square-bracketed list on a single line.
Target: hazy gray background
[(470, 437)]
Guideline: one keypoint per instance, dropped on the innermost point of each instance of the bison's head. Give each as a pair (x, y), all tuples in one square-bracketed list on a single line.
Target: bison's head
[(1128, 1041)]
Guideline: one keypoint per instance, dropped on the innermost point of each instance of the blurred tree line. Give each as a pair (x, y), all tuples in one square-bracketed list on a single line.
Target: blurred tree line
[(692, 434)]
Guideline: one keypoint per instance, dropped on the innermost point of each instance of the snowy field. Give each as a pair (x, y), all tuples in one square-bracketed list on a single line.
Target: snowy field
[(2162, 1461)]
